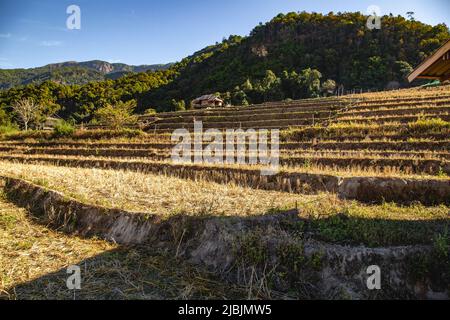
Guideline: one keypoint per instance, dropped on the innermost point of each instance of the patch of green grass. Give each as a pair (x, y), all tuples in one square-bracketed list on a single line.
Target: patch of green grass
[(375, 226), (428, 125), (63, 129), (441, 173), (23, 245), (7, 221), (26, 135), (8, 129), (434, 265), (42, 182)]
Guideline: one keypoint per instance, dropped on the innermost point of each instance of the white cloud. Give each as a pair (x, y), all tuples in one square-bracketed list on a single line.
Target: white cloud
[(5, 35), (51, 43), (4, 63)]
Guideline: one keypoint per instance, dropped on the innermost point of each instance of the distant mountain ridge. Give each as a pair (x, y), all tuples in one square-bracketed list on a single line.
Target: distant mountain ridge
[(72, 72), (107, 67)]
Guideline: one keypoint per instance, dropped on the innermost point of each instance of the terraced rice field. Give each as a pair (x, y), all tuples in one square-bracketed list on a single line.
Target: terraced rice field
[(33, 262), (368, 170)]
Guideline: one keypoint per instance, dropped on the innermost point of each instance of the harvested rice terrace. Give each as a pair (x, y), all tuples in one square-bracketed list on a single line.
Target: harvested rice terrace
[(299, 109), (313, 106), (285, 120), (34, 260), (386, 119), (368, 185), (406, 162), (383, 145), (257, 124), (245, 116), (426, 162), (293, 107), (390, 131), (398, 145), (402, 134), (367, 176), (396, 104), (395, 132), (165, 196), (165, 151), (402, 95), (302, 119), (427, 110)]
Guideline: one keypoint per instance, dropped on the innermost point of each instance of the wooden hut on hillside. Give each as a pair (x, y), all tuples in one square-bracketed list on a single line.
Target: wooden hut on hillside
[(207, 101), (50, 123)]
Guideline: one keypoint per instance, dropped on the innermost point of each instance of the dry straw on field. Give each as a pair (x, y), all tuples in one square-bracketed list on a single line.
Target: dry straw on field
[(149, 193), (163, 195), (305, 167), (34, 259)]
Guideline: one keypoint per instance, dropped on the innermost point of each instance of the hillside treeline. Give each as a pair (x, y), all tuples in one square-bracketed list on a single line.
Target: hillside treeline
[(293, 56)]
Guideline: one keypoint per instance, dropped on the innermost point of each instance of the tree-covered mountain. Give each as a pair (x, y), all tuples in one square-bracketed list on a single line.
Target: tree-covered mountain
[(340, 46), (72, 72), (293, 56)]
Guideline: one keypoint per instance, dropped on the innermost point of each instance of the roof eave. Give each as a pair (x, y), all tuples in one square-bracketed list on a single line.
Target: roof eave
[(428, 62)]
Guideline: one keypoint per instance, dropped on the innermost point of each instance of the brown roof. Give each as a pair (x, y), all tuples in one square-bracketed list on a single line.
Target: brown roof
[(207, 97), (436, 66)]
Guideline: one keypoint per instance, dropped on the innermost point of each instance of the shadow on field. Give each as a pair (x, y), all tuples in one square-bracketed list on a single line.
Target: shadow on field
[(139, 272), (129, 273)]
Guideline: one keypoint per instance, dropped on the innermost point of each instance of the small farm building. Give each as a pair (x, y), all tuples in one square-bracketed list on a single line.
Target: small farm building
[(207, 101)]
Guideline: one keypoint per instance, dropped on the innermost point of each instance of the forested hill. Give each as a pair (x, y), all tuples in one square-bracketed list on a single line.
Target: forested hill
[(340, 46), (72, 72), (291, 56)]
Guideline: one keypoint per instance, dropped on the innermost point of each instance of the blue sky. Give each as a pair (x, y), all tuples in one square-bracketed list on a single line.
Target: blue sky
[(33, 33)]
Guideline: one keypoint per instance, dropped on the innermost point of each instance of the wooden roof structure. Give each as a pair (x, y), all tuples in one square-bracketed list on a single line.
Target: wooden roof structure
[(436, 66), (207, 97)]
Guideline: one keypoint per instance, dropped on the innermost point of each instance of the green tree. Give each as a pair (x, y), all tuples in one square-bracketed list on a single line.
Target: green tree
[(239, 98), (178, 105), (118, 115), (291, 84), (402, 69), (4, 117), (328, 87), (270, 86), (150, 112), (310, 81), (247, 85)]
